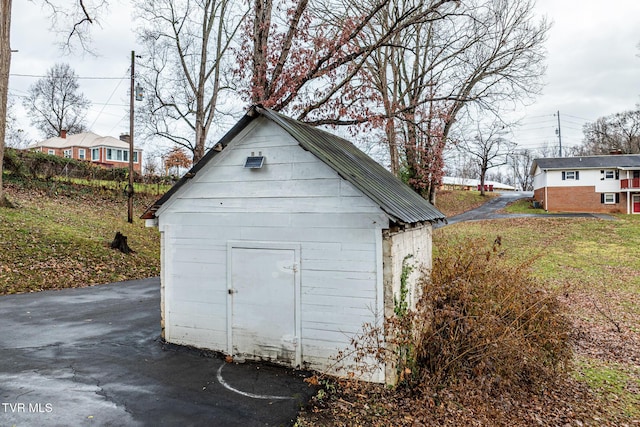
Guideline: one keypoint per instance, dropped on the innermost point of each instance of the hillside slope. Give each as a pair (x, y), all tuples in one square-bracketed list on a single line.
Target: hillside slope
[(59, 235)]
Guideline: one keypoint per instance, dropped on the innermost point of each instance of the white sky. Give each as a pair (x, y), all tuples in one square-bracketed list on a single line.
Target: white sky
[(593, 68), (38, 51)]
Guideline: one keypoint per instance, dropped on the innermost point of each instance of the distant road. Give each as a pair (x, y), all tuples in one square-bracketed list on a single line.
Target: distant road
[(490, 210)]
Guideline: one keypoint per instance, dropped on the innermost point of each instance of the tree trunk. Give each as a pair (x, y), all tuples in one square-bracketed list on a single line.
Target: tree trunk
[(5, 65), (120, 243), (483, 174), (393, 147)]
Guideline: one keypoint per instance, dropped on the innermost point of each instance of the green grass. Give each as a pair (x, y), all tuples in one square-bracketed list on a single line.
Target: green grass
[(566, 249), (454, 202), (596, 260), (612, 382), (56, 239), (523, 206), (138, 187)]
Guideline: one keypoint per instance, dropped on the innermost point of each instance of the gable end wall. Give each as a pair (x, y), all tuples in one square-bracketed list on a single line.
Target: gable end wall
[(294, 198)]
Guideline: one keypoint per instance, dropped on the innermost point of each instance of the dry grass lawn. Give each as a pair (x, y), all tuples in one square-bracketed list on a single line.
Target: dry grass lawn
[(595, 265)]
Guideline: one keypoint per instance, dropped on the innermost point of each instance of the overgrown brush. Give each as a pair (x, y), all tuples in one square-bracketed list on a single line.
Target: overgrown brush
[(483, 317)]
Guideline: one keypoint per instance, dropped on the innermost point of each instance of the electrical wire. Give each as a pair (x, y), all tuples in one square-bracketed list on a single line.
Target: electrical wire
[(109, 99), (64, 77)]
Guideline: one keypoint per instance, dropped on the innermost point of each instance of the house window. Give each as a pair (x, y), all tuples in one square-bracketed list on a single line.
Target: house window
[(51, 152), (67, 154), (609, 175), (81, 153), (135, 157), (570, 175), (95, 154), (119, 155), (109, 154), (125, 155), (610, 198)]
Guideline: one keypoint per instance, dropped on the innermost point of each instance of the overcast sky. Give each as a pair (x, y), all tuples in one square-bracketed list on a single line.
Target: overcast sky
[(593, 68)]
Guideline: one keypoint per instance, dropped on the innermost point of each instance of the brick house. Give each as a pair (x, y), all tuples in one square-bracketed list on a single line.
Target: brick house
[(600, 184), (104, 151)]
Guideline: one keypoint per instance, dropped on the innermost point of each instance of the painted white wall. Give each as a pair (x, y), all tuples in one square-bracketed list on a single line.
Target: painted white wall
[(412, 249), (539, 178), (294, 198), (588, 178)]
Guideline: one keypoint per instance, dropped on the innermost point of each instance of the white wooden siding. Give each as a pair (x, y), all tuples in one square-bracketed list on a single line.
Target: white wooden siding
[(539, 178), (588, 178), (294, 198)]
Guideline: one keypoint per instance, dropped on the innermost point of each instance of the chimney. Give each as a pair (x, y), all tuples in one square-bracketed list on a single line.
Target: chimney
[(124, 137), (63, 133)]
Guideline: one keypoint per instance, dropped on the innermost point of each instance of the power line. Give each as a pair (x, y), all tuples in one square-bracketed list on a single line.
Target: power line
[(64, 77), (580, 118), (105, 104)]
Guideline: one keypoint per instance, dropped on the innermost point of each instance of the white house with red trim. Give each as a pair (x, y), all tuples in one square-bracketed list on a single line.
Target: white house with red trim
[(600, 184), (105, 151)]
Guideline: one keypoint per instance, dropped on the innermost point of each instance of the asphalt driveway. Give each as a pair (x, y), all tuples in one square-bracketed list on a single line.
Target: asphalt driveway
[(490, 210), (93, 357)]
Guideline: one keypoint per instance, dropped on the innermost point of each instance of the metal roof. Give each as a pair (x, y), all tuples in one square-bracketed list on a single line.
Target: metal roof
[(396, 199), (615, 161)]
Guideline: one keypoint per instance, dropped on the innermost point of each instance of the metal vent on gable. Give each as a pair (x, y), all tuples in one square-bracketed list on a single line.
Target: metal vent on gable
[(254, 162)]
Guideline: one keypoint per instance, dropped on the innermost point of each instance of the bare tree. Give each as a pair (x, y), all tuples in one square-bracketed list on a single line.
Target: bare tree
[(55, 103), (617, 132), (187, 66), (520, 162), (484, 53), (78, 31), (304, 60), (488, 147), (72, 20), (15, 137)]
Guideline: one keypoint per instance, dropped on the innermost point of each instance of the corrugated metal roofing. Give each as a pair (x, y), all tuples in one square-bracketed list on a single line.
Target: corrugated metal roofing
[(589, 162), (399, 201)]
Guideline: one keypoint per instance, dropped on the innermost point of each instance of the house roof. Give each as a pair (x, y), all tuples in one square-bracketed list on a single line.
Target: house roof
[(396, 199), (615, 161), (84, 139)]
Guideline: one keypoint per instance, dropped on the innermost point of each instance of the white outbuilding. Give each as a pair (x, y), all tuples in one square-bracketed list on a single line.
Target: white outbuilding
[(283, 241)]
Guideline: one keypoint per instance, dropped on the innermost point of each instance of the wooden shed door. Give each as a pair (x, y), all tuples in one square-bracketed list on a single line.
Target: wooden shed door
[(262, 296)]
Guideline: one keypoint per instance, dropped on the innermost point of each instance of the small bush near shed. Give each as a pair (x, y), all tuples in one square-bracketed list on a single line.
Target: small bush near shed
[(483, 318)]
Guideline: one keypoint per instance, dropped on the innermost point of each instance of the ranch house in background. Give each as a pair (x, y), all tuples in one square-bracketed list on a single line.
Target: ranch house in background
[(104, 151), (599, 184), (284, 243)]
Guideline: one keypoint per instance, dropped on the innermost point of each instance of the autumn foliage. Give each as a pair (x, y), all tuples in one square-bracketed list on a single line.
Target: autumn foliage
[(177, 158), (480, 318)]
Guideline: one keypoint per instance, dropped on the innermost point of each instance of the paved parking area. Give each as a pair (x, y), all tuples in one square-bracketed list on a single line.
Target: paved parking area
[(93, 357)]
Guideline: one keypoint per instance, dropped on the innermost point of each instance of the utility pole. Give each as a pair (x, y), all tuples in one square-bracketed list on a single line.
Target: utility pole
[(130, 189), (559, 134)]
